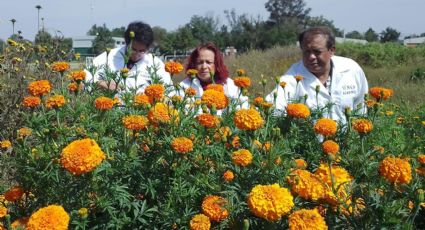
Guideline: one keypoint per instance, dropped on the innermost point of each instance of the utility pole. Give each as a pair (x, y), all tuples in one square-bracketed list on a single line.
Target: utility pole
[(38, 7), (13, 25)]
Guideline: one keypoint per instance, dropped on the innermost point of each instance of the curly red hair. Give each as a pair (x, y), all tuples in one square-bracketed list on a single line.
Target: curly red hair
[(221, 72)]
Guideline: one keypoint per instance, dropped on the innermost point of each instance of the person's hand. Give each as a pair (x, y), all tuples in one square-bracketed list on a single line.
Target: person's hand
[(104, 85)]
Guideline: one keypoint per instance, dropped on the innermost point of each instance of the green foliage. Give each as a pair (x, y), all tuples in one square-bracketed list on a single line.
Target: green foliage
[(354, 34), (371, 36), (418, 74), (103, 38), (389, 35), (282, 11)]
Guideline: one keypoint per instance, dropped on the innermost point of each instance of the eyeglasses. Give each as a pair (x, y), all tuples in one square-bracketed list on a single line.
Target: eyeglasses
[(139, 51)]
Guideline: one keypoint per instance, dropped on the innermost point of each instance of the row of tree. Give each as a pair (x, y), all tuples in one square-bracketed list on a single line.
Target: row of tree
[(242, 31)]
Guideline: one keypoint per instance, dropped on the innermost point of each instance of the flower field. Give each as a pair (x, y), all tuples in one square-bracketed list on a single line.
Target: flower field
[(80, 158)]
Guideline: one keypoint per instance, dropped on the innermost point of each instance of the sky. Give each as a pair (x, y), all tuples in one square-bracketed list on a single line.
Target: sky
[(75, 18)]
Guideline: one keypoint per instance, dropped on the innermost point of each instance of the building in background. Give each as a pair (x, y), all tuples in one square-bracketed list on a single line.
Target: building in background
[(413, 42), (84, 45)]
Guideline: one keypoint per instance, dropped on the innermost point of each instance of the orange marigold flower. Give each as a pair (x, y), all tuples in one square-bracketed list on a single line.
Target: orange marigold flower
[(305, 219), (330, 147), (6, 144), (173, 67), (248, 119), (270, 202), (142, 100), (190, 91), (72, 87), (300, 163), (240, 72), (236, 142), (192, 72), (371, 103), (155, 91), (216, 87), (78, 75), (60, 66), (340, 180), (24, 132), (200, 222), (214, 208), (81, 156), (298, 110), (306, 185), (162, 113), (208, 120), (53, 217), (325, 126), (31, 102), (182, 145), (55, 101), (135, 122), (104, 103), (242, 82), (396, 170), (39, 88), (282, 84), (242, 157), (215, 98), (3, 213), (420, 171), (228, 176), (362, 126), (298, 78), (20, 223), (258, 101), (14, 194), (421, 159), (380, 93)]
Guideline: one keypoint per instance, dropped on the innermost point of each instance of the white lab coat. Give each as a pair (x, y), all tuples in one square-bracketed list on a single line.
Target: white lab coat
[(347, 89), (138, 76)]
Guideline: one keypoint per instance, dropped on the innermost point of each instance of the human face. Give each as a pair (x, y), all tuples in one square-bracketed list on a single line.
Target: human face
[(138, 51), (205, 65), (316, 55)]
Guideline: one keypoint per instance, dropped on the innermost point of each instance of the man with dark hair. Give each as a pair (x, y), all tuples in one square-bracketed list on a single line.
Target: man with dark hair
[(135, 57), (329, 82)]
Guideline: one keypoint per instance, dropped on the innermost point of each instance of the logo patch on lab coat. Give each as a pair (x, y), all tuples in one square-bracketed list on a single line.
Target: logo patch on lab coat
[(349, 89)]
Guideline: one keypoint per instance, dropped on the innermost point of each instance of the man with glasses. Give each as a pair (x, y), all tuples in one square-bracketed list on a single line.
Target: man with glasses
[(329, 83), (134, 57)]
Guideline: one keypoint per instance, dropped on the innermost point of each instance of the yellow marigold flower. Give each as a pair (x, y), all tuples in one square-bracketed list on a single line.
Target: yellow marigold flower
[(208, 120), (341, 181), (83, 212), (216, 87), (298, 110), (31, 102), (6, 144), (176, 98), (77, 56), (192, 72), (55, 101), (52, 217), (400, 120), (81, 156), (214, 208), (72, 87), (300, 163), (190, 91), (240, 72), (370, 103), (270, 202), (39, 88), (305, 219), (182, 145), (14, 194), (215, 98), (24, 132), (3, 213), (173, 67), (135, 122), (242, 157), (330, 147), (396, 170), (11, 42), (104, 103), (228, 176), (298, 78), (142, 100), (78, 75), (155, 91), (325, 126), (162, 113), (421, 159), (248, 119), (124, 71), (362, 126), (60, 66), (242, 82), (389, 113), (200, 222), (306, 185), (20, 223), (380, 93), (379, 149)]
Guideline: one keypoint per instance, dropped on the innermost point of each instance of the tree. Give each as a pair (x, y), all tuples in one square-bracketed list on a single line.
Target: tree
[(321, 21), (371, 36), (203, 28), (284, 11), (118, 32), (389, 35), (184, 40), (43, 38), (103, 38), (354, 34)]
